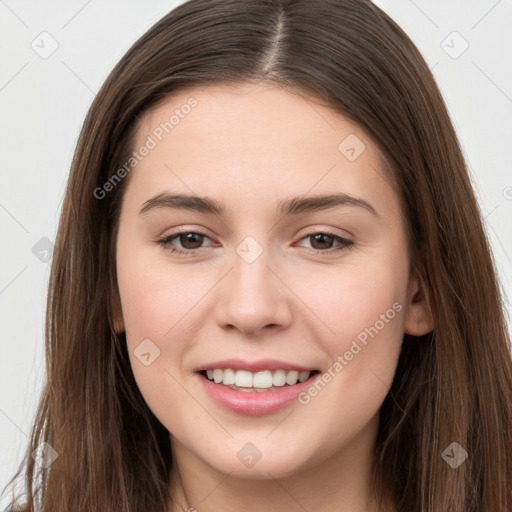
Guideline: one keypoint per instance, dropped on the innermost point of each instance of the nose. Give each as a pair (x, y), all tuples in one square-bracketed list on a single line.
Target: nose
[(254, 297)]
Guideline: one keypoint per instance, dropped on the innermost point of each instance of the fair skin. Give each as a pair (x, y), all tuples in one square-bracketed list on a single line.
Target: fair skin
[(250, 147)]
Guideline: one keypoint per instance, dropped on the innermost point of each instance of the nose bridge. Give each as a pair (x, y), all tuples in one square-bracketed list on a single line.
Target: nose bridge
[(254, 297), (251, 273)]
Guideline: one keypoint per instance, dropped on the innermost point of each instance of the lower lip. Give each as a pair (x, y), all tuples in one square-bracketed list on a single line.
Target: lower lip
[(255, 403)]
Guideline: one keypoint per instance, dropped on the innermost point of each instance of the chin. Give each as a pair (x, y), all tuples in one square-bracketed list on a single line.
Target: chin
[(258, 460)]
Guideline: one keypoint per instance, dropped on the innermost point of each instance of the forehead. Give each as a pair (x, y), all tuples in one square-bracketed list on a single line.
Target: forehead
[(248, 113), (260, 138)]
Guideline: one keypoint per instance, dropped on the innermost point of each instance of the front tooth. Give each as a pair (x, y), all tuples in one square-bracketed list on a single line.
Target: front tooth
[(229, 377), (217, 375), (303, 376), (262, 379), (243, 379), (279, 378), (291, 377)]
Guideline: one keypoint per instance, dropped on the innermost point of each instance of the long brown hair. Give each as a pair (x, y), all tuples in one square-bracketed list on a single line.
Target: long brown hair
[(451, 385)]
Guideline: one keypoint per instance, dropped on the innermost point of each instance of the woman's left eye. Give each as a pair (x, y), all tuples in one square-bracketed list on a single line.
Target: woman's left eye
[(322, 236), (192, 240)]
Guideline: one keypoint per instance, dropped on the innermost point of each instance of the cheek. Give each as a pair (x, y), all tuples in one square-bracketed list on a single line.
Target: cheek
[(155, 295), (360, 313), (156, 301), (353, 298)]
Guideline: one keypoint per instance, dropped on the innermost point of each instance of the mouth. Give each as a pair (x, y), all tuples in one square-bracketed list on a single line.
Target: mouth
[(255, 393)]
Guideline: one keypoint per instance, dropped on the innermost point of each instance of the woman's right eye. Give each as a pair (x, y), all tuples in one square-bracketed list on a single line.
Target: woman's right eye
[(184, 237)]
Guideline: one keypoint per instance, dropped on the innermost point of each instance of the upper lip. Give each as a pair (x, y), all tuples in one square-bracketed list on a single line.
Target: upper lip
[(253, 366)]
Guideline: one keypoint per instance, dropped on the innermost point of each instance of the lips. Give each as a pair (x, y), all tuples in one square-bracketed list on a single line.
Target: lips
[(254, 366), (249, 400)]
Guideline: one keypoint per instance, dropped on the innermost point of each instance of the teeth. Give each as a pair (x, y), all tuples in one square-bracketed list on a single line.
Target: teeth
[(279, 378), (243, 379), (229, 377), (258, 380), (292, 377), (262, 379), (303, 376)]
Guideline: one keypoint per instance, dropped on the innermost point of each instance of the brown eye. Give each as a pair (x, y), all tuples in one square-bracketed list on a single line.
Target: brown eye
[(321, 241), (325, 241), (191, 240)]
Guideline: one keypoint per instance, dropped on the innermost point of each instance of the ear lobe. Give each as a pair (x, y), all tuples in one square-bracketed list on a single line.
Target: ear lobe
[(418, 315)]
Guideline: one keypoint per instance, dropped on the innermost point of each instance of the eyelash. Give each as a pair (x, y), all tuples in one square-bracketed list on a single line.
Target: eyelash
[(344, 242)]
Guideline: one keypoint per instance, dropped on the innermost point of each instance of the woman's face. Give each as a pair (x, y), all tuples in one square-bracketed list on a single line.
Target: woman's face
[(266, 293)]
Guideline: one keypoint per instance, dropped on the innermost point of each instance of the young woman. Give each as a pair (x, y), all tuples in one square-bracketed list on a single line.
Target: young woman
[(271, 287)]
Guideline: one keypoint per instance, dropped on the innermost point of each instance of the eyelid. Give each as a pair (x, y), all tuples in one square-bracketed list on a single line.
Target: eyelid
[(318, 228), (187, 229)]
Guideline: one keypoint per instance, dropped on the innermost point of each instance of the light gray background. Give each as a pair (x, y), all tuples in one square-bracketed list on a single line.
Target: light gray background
[(43, 102)]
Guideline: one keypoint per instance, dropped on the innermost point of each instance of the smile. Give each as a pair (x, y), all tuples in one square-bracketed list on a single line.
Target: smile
[(243, 380), (257, 388)]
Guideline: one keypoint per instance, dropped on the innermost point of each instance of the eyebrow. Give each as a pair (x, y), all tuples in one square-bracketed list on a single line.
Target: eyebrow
[(293, 206)]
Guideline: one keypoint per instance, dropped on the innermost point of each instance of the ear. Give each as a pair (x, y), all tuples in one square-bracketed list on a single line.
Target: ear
[(418, 314)]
